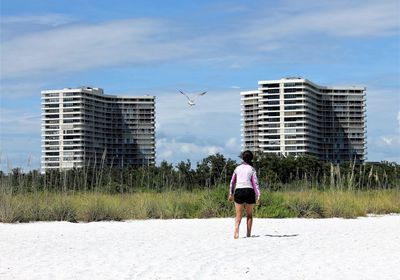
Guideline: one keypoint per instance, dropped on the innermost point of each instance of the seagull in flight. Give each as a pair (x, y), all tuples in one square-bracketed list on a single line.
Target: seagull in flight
[(191, 100)]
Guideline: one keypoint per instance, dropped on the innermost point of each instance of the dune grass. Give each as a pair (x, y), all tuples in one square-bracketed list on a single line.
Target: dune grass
[(95, 206)]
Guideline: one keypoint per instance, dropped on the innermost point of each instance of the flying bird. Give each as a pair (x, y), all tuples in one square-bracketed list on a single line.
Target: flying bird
[(191, 100)]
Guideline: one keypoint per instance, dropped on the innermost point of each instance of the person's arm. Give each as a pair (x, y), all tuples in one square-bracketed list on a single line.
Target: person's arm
[(256, 188), (232, 186)]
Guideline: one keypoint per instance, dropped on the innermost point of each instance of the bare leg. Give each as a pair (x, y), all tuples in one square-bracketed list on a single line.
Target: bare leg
[(249, 215), (238, 219)]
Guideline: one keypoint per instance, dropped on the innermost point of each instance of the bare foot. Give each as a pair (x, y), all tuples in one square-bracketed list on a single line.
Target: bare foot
[(236, 235)]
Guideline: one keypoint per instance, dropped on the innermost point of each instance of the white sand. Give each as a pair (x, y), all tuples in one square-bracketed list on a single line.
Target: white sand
[(363, 248)]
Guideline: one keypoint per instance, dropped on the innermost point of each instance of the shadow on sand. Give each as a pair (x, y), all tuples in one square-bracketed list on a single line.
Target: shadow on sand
[(281, 235), (273, 235)]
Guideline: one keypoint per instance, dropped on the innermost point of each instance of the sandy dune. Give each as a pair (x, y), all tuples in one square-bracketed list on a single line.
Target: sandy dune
[(364, 248)]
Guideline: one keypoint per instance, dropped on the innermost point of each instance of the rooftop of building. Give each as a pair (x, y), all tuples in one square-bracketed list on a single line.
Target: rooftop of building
[(304, 80), (95, 90)]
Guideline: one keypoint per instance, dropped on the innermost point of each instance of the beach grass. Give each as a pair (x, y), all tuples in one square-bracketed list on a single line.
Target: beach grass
[(97, 206)]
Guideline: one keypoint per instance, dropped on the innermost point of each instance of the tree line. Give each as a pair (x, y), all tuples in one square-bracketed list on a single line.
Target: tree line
[(275, 172)]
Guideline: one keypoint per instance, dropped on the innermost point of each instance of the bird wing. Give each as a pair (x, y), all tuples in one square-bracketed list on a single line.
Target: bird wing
[(185, 95), (199, 94)]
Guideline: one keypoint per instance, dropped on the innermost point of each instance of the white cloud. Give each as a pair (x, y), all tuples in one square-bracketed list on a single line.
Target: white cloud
[(386, 147), (19, 122), (398, 118), (19, 139), (78, 47), (213, 150), (165, 155), (15, 90), (187, 148), (383, 141), (24, 157), (19, 25), (48, 19), (69, 48), (174, 151), (231, 143), (336, 18)]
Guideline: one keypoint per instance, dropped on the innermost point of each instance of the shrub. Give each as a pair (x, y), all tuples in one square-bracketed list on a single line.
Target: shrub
[(63, 210), (305, 206), (272, 206), (215, 203), (10, 209), (100, 208)]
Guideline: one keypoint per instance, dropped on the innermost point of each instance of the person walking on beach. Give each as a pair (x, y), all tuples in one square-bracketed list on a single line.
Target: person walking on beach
[(244, 190)]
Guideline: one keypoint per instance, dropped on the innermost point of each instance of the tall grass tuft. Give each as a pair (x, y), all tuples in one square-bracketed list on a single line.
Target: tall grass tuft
[(305, 204), (99, 207), (273, 205), (10, 209), (62, 209)]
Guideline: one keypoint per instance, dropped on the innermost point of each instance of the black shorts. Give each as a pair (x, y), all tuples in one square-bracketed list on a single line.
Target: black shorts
[(245, 195)]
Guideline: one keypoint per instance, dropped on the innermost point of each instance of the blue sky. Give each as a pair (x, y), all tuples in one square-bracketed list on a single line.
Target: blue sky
[(224, 47)]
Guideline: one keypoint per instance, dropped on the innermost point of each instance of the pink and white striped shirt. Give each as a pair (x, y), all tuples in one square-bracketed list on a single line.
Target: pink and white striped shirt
[(244, 176)]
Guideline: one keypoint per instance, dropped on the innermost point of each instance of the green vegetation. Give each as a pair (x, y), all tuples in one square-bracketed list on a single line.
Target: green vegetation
[(274, 173), (94, 206), (291, 187)]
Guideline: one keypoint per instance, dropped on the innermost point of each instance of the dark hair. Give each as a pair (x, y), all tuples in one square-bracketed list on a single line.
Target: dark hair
[(247, 157)]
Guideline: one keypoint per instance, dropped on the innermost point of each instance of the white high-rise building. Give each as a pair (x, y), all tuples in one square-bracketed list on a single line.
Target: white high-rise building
[(293, 116), (85, 127)]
